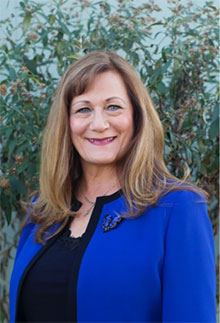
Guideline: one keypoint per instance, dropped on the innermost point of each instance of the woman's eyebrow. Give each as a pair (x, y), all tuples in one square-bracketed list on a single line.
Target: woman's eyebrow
[(80, 101), (115, 97), (107, 100)]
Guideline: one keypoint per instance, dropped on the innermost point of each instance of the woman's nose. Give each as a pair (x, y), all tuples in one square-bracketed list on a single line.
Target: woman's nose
[(99, 121)]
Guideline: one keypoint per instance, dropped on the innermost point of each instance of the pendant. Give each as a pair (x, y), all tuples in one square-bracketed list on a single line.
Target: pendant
[(111, 222)]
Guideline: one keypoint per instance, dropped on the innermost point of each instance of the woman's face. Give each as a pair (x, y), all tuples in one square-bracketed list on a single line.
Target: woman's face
[(101, 120)]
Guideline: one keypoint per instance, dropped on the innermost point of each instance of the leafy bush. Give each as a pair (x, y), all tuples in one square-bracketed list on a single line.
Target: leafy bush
[(175, 56)]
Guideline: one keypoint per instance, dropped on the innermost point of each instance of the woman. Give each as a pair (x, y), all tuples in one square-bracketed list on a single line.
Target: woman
[(113, 237)]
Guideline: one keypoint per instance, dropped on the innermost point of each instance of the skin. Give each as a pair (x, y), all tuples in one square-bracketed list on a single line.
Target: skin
[(101, 124), (101, 121)]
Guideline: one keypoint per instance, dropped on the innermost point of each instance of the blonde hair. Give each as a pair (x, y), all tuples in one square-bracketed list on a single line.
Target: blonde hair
[(143, 175)]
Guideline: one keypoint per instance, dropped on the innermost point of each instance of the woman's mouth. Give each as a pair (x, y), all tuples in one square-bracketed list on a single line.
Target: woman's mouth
[(101, 141)]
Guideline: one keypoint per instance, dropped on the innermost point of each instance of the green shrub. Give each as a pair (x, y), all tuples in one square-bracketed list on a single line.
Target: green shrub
[(175, 56)]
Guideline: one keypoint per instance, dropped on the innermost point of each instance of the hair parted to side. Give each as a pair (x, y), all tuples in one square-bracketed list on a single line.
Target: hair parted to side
[(142, 172)]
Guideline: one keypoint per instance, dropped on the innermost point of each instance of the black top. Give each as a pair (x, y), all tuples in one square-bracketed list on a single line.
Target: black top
[(47, 291)]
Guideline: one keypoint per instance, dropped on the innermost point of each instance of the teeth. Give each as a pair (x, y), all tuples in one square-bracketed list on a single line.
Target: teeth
[(108, 139)]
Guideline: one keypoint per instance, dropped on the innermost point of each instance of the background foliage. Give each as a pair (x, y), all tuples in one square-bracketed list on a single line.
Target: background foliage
[(175, 56)]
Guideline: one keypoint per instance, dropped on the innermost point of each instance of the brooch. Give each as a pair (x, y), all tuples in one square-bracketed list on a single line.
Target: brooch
[(111, 222)]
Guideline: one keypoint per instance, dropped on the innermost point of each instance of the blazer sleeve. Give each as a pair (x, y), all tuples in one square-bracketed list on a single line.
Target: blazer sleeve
[(24, 235), (27, 229), (189, 284)]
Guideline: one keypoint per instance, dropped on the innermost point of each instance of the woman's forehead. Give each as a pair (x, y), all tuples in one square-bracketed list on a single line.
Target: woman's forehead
[(107, 86)]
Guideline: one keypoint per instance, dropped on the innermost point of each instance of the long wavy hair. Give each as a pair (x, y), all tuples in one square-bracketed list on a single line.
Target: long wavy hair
[(143, 176)]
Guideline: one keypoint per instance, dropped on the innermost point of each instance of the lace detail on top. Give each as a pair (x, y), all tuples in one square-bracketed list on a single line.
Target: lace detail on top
[(69, 242)]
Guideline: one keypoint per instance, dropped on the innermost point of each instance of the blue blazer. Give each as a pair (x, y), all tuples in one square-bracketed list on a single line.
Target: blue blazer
[(159, 267)]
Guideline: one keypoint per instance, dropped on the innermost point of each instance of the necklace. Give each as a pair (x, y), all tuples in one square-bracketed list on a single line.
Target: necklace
[(92, 204)]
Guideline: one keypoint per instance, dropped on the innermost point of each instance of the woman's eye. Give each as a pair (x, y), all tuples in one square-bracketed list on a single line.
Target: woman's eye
[(113, 107), (83, 110)]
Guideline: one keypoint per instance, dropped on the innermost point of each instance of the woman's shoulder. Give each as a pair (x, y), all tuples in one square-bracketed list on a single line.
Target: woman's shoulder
[(186, 214), (184, 195)]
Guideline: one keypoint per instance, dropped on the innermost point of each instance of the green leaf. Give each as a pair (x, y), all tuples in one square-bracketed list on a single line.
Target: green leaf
[(128, 13), (108, 7), (201, 146), (217, 33), (12, 73), (59, 48), (159, 23), (51, 19), (60, 14), (211, 42), (25, 147), (157, 34), (31, 64), (74, 57), (198, 159), (172, 138), (214, 129), (21, 168), (176, 65), (161, 88), (32, 169), (188, 153), (64, 27), (210, 5), (147, 54), (8, 132), (90, 21), (21, 3), (26, 22), (18, 185), (18, 111), (11, 147), (44, 38), (155, 75), (215, 115), (166, 66), (6, 206), (203, 169)]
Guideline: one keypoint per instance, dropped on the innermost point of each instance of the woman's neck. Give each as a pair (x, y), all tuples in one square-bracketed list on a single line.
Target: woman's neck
[(98, 181)]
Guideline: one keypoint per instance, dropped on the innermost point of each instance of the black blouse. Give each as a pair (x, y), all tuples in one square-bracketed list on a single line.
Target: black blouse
[(47, 286)]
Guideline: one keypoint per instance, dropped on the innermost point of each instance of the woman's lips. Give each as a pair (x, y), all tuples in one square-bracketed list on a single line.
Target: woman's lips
[(101, 141)]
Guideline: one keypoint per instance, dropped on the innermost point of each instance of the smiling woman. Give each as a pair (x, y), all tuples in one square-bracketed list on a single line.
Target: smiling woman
[(102, 126), (112, 236)]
